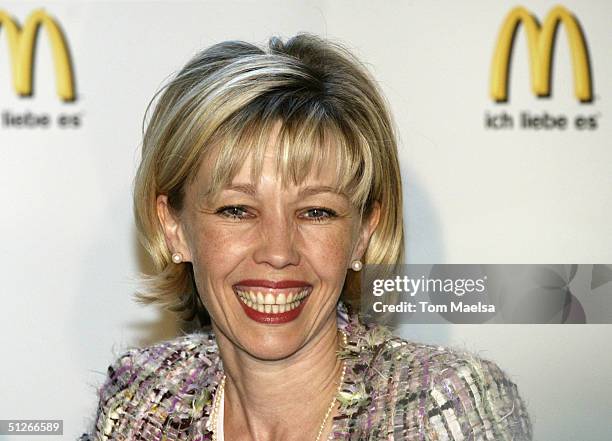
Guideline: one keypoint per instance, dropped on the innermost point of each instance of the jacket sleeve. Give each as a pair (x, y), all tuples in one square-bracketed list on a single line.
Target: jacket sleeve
[(474, 399), (113, 396)]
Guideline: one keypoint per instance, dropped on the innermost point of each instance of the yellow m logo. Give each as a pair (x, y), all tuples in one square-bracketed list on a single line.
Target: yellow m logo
[(540, 42), (21, 45)]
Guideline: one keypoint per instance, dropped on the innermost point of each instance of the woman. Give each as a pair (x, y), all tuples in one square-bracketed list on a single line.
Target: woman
[(268, 178)]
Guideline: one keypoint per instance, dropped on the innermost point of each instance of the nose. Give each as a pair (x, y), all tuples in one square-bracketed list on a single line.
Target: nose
[(277, 245)]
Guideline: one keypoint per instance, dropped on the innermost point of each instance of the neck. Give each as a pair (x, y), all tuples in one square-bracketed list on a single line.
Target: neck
[(281, 399)]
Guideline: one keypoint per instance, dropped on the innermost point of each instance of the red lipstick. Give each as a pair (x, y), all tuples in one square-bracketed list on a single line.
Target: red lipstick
[(272, 302)]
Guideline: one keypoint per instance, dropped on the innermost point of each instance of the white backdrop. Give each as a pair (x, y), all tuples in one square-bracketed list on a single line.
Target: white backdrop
[(69, 255)]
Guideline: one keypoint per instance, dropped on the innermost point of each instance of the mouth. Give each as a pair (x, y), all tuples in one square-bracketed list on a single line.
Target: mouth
[(272, 305)]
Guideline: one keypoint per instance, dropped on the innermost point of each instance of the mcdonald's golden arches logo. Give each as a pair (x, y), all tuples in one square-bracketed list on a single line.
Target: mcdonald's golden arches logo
[(21, 42), (540, 41)]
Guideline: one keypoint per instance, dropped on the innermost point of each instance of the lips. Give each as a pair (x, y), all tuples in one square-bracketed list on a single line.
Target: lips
[(269, 301)]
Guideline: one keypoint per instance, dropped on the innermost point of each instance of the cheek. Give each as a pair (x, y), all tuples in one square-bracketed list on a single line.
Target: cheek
[(216, 244), (216, 252), (327, 249)]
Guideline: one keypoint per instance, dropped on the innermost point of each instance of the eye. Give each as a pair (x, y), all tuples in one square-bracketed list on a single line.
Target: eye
[(232, 212), (319, 214)]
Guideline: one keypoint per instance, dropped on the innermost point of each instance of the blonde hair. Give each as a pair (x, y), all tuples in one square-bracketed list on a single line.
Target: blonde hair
[(229, 96)]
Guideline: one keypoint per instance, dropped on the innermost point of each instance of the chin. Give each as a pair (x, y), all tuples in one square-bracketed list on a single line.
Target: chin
[(273, 349)]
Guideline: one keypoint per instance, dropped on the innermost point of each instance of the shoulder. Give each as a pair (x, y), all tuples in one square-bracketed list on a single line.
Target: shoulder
[(429, 392), (145, 388), (452, 394), (175, 358)]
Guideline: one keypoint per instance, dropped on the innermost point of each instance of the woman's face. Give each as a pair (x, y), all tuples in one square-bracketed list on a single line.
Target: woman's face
[(257, 233)]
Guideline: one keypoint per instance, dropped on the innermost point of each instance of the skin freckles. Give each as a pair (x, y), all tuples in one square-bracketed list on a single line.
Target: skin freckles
[(274, 233)]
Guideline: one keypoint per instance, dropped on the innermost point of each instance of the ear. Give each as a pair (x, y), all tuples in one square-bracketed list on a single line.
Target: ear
[(173, 229), (367, 229)]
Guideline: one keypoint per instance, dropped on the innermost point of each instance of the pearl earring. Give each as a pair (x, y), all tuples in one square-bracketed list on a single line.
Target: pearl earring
[(177, 257), (356, 265)]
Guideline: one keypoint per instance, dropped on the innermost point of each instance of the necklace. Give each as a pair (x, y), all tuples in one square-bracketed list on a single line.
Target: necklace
[(212, 422)]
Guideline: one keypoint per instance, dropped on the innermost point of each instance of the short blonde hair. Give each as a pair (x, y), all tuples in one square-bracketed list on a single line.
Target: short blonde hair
[(230, 95)]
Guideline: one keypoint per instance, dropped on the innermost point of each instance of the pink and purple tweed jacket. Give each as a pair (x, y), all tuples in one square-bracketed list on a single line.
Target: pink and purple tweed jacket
[(393, 390)]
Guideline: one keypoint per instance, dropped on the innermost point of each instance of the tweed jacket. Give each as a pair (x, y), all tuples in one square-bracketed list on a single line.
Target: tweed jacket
[(394, 389)]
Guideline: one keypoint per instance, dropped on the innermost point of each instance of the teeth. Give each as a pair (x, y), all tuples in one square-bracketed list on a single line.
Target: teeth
[(266, 303)]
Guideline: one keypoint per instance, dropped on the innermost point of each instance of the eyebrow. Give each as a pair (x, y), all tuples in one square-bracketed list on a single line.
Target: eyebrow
[(304, 192), (242, 188)]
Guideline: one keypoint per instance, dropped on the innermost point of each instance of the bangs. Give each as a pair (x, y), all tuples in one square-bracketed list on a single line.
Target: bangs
[(304, 144)]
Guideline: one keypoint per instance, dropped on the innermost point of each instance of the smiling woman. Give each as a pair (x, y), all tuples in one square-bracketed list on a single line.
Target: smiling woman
[(272, 250), (268, 178)]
